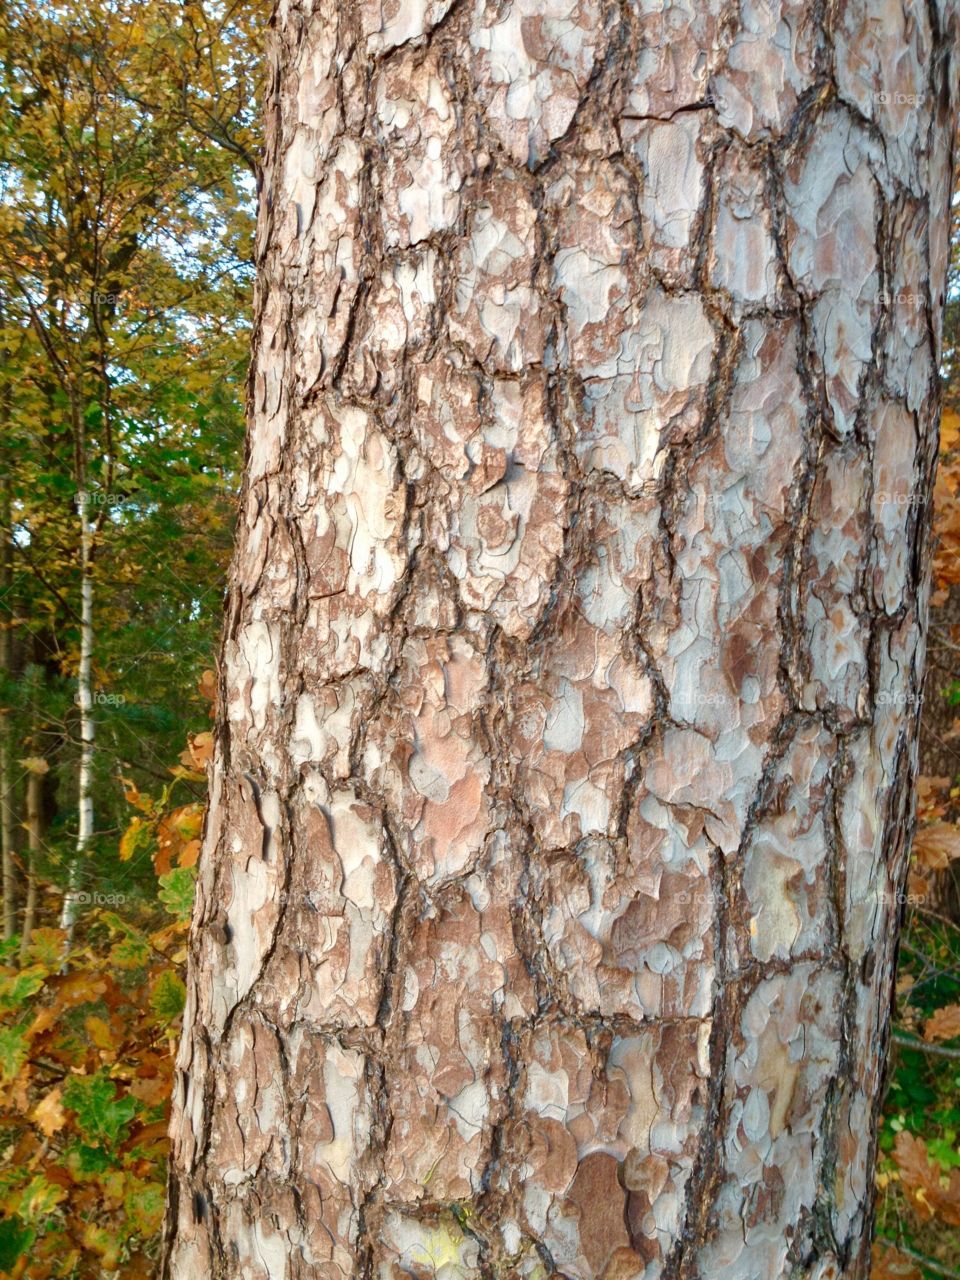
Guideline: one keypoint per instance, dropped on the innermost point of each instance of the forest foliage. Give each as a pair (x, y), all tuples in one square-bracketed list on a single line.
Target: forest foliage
[(128, 169)]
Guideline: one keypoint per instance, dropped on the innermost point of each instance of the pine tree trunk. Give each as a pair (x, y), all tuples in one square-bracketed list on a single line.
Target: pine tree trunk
[(561, 801)]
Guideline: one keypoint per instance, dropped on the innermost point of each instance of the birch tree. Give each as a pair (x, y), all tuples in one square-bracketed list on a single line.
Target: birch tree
[(560, 806)]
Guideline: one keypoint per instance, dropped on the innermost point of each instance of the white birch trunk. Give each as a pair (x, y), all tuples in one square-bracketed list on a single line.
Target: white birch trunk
[(72, 898)]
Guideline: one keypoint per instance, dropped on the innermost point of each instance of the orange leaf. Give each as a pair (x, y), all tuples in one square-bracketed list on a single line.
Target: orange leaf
[(198, 751), (189, 854), (135, 797), (207, 685), (944, 1024)]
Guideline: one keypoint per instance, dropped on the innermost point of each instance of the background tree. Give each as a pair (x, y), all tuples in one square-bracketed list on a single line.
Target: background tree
[(124, 278), (561, 795)]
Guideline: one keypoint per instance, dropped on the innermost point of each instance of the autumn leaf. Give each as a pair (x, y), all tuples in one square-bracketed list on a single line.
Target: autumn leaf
[(49, 1113), (14, 1046), (100, 1033), (35, 764), (207, 685), (168, 996), (40, 1198), (176, 892), (937, 846), (101, 1115), (944, 1024), (189, 854), (890, 1264), (949, 430), (139, 835), (930, 797), (922, 1180), (199, 751), (46, 947), (133, 795)]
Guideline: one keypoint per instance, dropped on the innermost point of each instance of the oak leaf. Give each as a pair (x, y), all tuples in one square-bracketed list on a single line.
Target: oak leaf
[(944, 1024), (938, 845), (928, 1191), (49, 1113)]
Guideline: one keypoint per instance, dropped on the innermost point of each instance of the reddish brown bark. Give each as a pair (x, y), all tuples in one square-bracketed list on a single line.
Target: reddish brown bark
[(547, 911)]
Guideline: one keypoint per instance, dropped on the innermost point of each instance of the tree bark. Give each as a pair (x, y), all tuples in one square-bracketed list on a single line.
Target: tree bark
[(73, 897), (561, 800), (34, 845), (8, 801)]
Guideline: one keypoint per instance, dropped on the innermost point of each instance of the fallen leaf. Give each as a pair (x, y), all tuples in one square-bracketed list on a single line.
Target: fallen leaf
[(49, 1114)]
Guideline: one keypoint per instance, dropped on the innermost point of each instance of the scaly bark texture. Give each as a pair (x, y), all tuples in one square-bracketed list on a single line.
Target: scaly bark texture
[(547, 912)]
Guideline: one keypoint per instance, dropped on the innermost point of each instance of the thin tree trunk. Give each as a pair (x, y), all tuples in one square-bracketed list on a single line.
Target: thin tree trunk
[(34, 822), (561, 801), (7, 786), (73, 896)]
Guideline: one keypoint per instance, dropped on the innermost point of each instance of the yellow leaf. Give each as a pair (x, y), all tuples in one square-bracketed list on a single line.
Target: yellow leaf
[(99, 1032), (130, 838), (949, 430), (49, 1114), (35, 764)]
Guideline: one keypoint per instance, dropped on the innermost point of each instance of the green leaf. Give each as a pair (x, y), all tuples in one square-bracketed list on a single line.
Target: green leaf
[(13, 1051), (101, 1115), (17, 990), (15, 1239), (176, 892), (132, 951), (84, 1161), (168, 996), (40, 1198), (144, 1203)]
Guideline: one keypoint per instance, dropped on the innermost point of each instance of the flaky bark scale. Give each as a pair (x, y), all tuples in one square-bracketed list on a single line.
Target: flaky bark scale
[(546, 918)]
